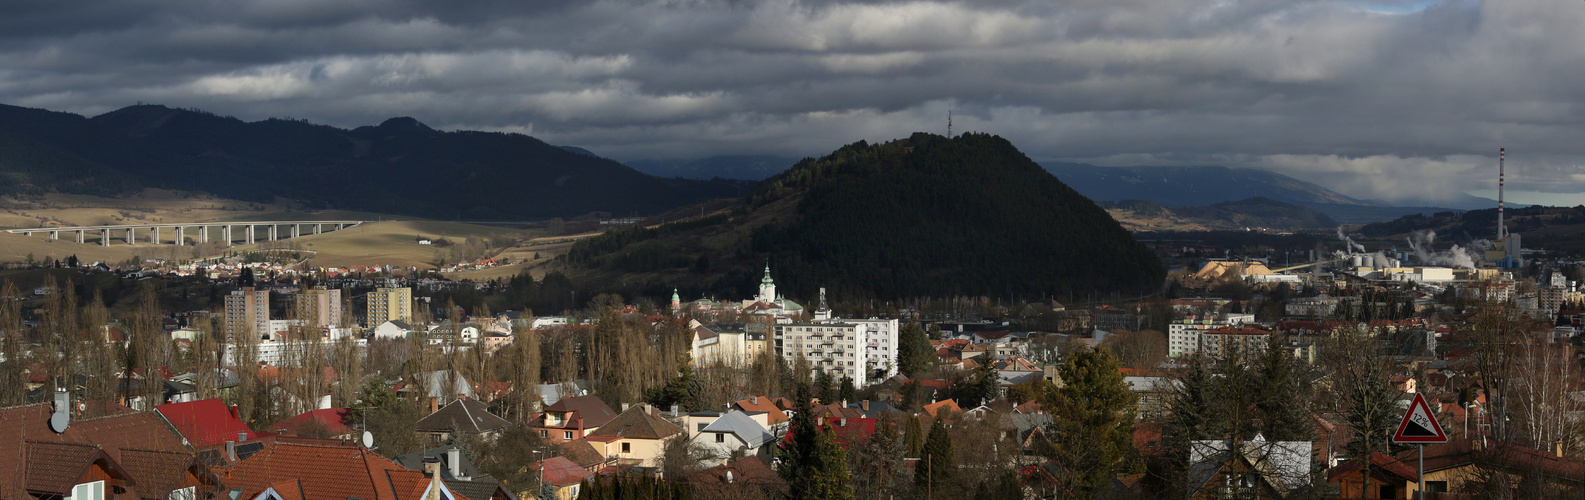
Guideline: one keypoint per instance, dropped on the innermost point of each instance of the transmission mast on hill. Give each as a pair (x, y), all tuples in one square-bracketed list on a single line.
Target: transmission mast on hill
[(949, 120)]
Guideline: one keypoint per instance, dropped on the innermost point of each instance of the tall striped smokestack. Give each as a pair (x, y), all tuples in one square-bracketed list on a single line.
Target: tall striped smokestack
[(1502, 158)]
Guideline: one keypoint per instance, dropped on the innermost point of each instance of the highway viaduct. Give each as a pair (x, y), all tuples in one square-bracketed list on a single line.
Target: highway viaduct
[(250, 232)]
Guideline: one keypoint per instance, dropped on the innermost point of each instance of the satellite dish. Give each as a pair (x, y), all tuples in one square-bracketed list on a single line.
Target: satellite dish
[(58, 422), (368, 439)]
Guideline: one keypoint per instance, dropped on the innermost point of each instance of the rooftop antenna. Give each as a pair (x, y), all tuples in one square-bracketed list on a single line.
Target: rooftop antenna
[(1502, 158)]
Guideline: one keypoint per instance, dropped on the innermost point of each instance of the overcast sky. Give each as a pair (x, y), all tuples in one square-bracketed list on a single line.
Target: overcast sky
[(1377, 99)]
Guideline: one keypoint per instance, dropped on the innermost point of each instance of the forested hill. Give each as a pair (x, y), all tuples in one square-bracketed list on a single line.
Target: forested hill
[(923, 216), (398, 167)]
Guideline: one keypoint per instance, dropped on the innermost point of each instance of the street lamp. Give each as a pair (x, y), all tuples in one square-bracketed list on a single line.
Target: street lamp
[(541, 492)]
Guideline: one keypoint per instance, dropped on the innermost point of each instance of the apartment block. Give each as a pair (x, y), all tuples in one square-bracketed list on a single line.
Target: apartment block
[(248, 312), (390, 304), (319, 306)]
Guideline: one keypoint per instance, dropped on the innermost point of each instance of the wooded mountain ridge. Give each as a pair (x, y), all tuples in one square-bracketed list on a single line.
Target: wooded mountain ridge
[(399, 167)]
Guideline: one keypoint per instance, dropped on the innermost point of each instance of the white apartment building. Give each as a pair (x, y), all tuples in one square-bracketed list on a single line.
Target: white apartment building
[(837, 348), (1183, 336), (880, 344)]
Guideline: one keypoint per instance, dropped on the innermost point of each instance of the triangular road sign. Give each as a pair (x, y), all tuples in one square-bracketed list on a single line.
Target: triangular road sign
[(1419, 425)]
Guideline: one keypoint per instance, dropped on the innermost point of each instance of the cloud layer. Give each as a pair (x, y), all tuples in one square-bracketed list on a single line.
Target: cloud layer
[(1378, 99)]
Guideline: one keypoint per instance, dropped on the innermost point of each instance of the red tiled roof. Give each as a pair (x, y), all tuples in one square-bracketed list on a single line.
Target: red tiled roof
[(112, 434), (326, 471), (950, 407), (206, 422), (773, 415), (561, 472), (333, 419)]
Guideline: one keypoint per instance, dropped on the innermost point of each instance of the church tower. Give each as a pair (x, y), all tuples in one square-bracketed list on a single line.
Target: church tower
[(676, 303), (824, 312), (767, 287)]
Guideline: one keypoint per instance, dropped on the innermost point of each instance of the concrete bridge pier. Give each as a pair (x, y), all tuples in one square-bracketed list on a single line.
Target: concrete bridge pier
[(132, 236), (104, 237), (181, 236), (154, 235), (318, 228), (295, 229), (203, 234), (225, 233), (55, 235), (250, 234), (80, 238), (272, 231)]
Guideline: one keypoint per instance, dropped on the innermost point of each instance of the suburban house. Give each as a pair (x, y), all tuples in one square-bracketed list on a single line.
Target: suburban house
[(637, 436), (561, 474), (325, 423), (572, 418), (125, 454), (1251, 469), (206, 423), (732, 436), (465, 415), (1457, 467), (437, 387), (459, 473), (778, 411), (311, 469)]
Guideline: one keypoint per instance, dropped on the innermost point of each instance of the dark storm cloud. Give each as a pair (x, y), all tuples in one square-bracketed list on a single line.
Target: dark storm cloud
[(1380, 99)]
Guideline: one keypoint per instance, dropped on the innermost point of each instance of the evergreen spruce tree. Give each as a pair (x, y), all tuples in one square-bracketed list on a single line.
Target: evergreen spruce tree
[(914, 437), (847, 392), (585, 491), (1093, 421), (1282, 413), (879, 463), (828, 475), (824, 388), (914, 355), (1195, 416), (797, 452), (938, 464)]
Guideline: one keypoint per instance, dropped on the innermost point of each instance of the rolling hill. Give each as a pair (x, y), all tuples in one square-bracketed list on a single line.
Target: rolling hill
[(917, 217), (1257, 212), (398, 167), (1207, 185)]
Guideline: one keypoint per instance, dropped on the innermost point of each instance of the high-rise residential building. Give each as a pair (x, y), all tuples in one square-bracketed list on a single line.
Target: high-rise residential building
[(840, 348), (1183, 336), (390, 304), (248, 312), (319, 306)]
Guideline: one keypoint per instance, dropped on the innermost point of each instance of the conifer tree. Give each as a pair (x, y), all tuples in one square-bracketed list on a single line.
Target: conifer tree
[(829, 476), (797, 453), (879, 462), (824, 387), (1093, 421), (1282, 412), (914, 355), (937, 464), (914, 437)]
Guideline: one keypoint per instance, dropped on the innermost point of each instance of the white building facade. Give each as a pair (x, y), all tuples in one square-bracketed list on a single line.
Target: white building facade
[(1183, 336)]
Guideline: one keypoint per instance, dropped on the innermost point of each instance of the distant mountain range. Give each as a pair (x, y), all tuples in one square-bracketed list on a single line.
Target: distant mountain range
[(1257, 212), (744, 167), (1207, 185), (398, 167)]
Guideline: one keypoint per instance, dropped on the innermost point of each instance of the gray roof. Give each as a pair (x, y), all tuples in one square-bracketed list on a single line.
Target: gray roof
[(437, 385), (745, 427), (466, 415), (1285, 465)]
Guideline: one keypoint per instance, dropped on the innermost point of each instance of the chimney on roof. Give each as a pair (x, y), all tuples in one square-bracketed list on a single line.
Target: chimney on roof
[(432, 468), (865, 404), (231, 451), (673, 410), (754, 400), (624, 407), (454, 463)]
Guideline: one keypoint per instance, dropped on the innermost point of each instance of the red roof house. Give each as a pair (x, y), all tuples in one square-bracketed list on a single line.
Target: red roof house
[(206, 423)]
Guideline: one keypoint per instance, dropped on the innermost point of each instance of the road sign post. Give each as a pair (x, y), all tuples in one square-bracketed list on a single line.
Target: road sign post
[(1419, 426)]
